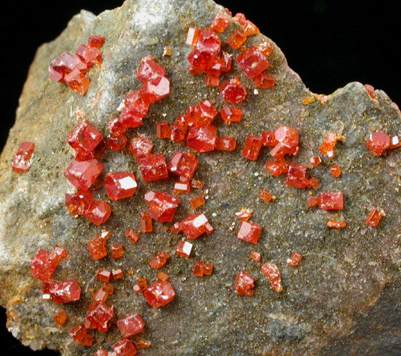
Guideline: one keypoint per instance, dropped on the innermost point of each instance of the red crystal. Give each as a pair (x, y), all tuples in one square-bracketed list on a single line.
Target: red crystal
[(64, 65), (197, 184), (135, 104), (103, 276), (276, 168), (120, 185), (159, 294), (60, 318), (156, 90), (244, 214), (225, 144), (266, 48), (90, 56), (98, 213), (220, 23), (132, 236), (264, 81), (331, 201), (197, 202), (82, 174), (327, 147), (146, 222), (236, 40), (244, 284), (212, 81), (44, 264), (117, 251), (23, 158), (266, 196), (184, 249), (272, 273), (233, 92), (313, 201), (102, 294), (207, 113), (116, 126), (252, 147), (183, 165), (230, 115), (141, 286), (269, 139), (140, 147), (77, 81), (153, 167), (100, 317), (81, 336), (96, 41), (192, 37), (130, 119), (374, 217), (371, 91), (159, 260), (209, 43), (178, 130), (62, 292), (287, 136), (315, 161), (117, 274), (335, 171), (332, 224), (249, 232), (294, 260), (84, 138), (131, 325), (296, 176), (163, 130), (97, 248), (253, 62), (162, 206), (202, 139), (117, 143), (150, 71), (256, 256), (378, 143), (124, 348), (194, 226), (181, 188), (202, 269)]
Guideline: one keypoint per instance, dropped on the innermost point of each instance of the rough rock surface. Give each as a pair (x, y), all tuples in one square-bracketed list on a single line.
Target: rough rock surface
[(344, 298)]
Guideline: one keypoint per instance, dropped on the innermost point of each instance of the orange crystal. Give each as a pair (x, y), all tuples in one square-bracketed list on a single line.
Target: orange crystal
[(335, 171), (272, 273), (159, 260), (197, 202), (374, 217), (60, 318), (236, 40), (294, 260), (256, 256)]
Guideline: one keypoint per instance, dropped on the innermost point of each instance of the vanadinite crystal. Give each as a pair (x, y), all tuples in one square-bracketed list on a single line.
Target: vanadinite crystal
[(117, 251), (44, 264), (294, 260), (266, 196), (90, 55), (132, 235), (84, 138), (197, 202), (249, 232), (78, 203), (202, 269), (159, 260), (220, 23), (102, 294), (140, 147), (124, 348), (287, 142), (153, 167), (331, 201), (332, 224), (183, 165), (272, 273), (253, 62), (184, 249), (162, 206), (252, 147), (335, 171), (296, 176), (97, 248), (77, 81), (64, 65), (98, 213), (82, 174), (269, 139), (195, 226), (99, 318), (327, 147), (23, 158), (315, 161), (145, 222), (63, 292), (378, 143), (120, 185), (103, 276), (202, 139), (244, 284), (60, 318), (374, 217), (159, 294), (80, 336), (230, 115), (131, 325), (256, 256), (276, 168), (236, 40), (233, 92), (117, 143)]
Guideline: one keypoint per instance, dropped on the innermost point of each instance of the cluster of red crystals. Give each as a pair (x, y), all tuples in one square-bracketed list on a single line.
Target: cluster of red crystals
[(202, 269), (80, 335), (374, 217), (244, 284), (78, 203), (335, 171), (249, 232), (272, 273), (145, 222), (132, 236), (220, 23), (252, 147), (181, 188), (141, 285), (197, 202), (23, 158), (294, 260), (253, 63), (269, 139), (159, 260), (99, 317), (184, 249), (276, 169), (120, 185), (103, 276), (124, 348), (97, 247), (153, 167), (140, 147), (159, 294), (82, 174), (315, 161), (327, 147), (331, 201), (296, 176), (200, 115), (378, 143), (98, 213), (244, 214), (62, 292), (266, 196), (71, 70), (248, 27), (202, 139), (131, 325), (287, 143), (162, 206), (103, 293), (196, 225), (84, 139), (230, 115), (117, 251), (232, 91), (183, 165), (256, 256), (60, 318), (332, 224), (44, 264), (236, 40)]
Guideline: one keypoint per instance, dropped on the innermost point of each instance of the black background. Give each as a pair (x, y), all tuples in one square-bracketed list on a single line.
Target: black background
[(329, 43)]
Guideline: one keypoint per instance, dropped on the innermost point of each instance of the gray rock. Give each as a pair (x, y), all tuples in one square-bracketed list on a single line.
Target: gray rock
[(344, 293)]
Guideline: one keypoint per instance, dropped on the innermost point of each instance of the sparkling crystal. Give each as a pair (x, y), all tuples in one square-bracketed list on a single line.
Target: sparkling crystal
[(103, 276), (335, 171), (97, 248), (327, 147), (296, 176), (378, 143), (181, 188), (163, 130), (225, 144), (44, 264), (194, 226), (124, 348), (159, 294), (244, 284), (141, 286), (272, 273), (140, 147), (90, 56), (232, 91), (332, 224), (220, 23), (313, 201), (77, 82), (84, 138), (374, 217), (264, 81), (236, 40), (102, 294), (269, 139), (162, 206), (98, 213), (23, 158), (202, 139), (253, 62), (212, 81), (266, 48), (230, 115), (266, 196), (117, 251), (331, 201), (120, 185), (315, 161), (153, 167), (294, 260), (145, 222), (276, 168), (117, 274), (82, 174), (249, 232), (96, 41), (62, 292), (150, 71), (80, 335), (135, 104), (64, 65), (159, 260), (184, 165), (154, 91), (192, 37), (117, 143), (202, 269), (256, 256), (184, 249), (131, 325), (252, 147), (371, 91), (132, 235)]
